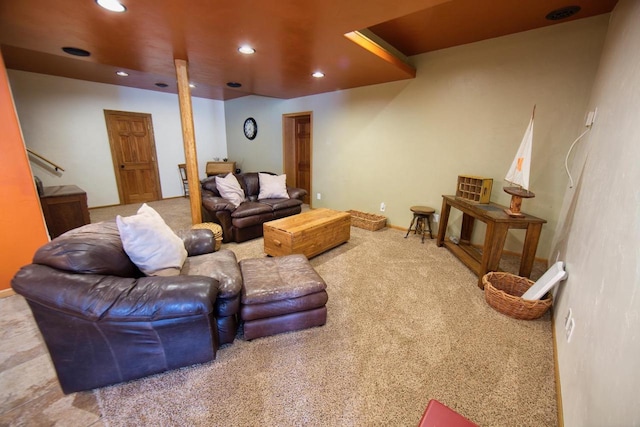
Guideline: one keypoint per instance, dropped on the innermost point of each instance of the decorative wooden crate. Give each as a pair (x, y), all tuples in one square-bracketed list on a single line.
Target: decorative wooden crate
[(474, 188), (371, 222)]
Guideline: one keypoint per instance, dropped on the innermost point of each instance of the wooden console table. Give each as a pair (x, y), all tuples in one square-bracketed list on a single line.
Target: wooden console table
[(498, 224)]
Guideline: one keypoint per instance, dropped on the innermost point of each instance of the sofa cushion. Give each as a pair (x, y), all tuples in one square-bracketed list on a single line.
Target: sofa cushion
[(209, 184), (151, 244), (278, 278), (229, 188), (272, 186), (251, 184), (251, 208), (278, 204), (90, 249)]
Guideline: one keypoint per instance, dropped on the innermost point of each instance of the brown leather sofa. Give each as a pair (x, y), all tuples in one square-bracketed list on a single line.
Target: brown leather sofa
[(245, 221), (104, 322)]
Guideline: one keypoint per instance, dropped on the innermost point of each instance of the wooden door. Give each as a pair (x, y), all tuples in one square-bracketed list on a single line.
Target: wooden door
[(303, 154), (297, 147), (134, 156)]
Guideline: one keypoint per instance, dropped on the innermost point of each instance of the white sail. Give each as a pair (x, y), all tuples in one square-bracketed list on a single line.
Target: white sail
[(518, 173)]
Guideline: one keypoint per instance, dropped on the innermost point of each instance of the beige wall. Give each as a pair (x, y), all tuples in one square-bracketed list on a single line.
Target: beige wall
[(63, 119), (405, 143), (598, 236)]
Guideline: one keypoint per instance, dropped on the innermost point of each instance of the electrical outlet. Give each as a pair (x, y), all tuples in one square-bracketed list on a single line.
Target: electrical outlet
[(318, 196), (567, 318), (435, 218), (382, 207), (570, 327), (591, 118)]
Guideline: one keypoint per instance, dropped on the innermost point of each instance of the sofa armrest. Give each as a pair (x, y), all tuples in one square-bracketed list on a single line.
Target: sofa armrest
[(95, 297), (198, 241), (214, 204), (222, 266), (296, 193)]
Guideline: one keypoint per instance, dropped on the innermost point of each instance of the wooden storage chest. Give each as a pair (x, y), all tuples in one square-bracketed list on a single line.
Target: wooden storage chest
[(474, 188), (309, 233)]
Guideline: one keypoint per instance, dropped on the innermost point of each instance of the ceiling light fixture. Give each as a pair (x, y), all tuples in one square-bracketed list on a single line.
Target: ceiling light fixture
[(247, 50), (122, 73), (192, 86), (76, 51), (234, 84), (318, 74), (562, 13), (112, 5)]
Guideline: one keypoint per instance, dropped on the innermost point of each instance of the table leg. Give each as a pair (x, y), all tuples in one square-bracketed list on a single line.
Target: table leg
[(529, 249), (494, 239), (467, 228), (444, 219)]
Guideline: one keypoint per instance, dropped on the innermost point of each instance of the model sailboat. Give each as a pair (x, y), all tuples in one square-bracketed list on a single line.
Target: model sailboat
[(518, 173)]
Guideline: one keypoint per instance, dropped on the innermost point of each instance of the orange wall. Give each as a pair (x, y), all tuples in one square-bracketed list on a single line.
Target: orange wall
[(22, 227)]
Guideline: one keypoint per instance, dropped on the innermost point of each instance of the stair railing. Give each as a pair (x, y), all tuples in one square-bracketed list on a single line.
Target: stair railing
[(49, 162)]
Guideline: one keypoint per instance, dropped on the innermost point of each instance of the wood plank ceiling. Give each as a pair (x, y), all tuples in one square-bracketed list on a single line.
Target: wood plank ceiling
[(292, 39)]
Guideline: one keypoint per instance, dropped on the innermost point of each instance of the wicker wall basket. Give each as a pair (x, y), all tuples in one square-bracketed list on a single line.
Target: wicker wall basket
[(503, 292), (367, 221)]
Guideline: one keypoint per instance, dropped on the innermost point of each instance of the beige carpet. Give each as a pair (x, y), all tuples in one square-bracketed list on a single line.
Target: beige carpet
[(406, 323)]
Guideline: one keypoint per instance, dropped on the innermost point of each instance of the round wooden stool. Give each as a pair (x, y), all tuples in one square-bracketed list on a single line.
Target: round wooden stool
[(422, 218)]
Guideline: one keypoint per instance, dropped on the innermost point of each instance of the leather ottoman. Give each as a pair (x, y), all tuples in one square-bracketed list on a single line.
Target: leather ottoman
[(281, 294)]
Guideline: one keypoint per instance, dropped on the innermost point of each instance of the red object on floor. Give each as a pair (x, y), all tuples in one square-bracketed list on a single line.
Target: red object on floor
[(438, 415)]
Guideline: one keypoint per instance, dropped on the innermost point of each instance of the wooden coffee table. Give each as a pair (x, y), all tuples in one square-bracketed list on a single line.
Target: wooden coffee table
[(309, 233)]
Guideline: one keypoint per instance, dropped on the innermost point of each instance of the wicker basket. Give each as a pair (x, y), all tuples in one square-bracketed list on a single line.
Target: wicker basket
[(503, 292), (367, 221), (215, 228)]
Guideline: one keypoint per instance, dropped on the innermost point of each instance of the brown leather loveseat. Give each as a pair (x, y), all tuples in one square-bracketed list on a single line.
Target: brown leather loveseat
[(244, 222), (104, 322)]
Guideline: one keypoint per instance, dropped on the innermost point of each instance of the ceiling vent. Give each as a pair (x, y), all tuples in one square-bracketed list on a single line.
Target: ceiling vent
[(76, 51), (562, 13)]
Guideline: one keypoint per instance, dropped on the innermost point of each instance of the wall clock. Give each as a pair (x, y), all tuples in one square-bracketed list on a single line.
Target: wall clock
[(250, 128)]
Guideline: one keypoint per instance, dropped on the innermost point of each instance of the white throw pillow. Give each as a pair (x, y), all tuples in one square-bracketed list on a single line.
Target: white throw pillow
[(230, 189), (272, 186), (151, 244)]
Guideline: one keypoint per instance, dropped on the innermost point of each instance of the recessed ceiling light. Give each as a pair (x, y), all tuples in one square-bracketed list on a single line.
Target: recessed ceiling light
[(122, 73), (234, 84), (76, 51), (247, 50), (318, 74), (160, 84), (112, 5), (191, 85), (562, 13)]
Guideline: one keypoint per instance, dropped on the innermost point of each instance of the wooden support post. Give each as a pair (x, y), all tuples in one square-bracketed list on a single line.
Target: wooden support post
[(189, 139)]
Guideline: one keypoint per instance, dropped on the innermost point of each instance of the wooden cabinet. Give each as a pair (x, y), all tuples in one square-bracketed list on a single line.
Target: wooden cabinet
[(64, 208), (217, 168)]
